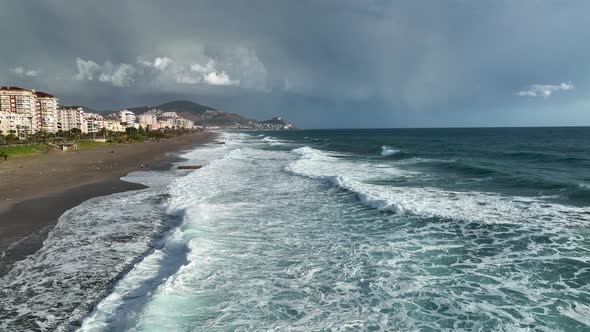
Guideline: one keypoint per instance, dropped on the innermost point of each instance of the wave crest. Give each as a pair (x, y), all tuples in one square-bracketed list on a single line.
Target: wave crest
[(428, 201), (388, 151)]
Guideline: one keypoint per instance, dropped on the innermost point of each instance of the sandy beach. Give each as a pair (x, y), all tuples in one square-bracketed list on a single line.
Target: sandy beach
[(37, 190)]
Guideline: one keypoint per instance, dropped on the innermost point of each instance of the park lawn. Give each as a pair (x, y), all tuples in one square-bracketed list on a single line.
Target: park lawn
[(22, 150), (89, 144)]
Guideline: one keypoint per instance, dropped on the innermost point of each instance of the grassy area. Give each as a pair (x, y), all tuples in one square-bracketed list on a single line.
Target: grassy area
[(25, 150), (89, 144), (22, 150)]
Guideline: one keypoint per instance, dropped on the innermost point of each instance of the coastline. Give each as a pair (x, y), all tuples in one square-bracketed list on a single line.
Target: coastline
[(38, 190)]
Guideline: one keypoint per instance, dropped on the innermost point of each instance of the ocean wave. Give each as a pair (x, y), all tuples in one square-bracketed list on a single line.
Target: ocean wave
[(429, 201), (272, 141), (89, 249), (277, 251), (388, 151), (120, 310)]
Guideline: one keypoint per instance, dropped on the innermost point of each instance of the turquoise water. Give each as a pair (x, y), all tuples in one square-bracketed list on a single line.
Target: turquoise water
[(457, 229)]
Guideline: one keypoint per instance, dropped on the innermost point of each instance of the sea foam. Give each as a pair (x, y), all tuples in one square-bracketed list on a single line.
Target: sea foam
[(273, 250), (388, 151), (428, 201)]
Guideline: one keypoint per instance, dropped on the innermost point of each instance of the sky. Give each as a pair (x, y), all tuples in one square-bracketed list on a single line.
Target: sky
[(320, 64)]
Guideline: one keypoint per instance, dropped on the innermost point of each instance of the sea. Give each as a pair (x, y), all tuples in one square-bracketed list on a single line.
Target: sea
[(480, 229)]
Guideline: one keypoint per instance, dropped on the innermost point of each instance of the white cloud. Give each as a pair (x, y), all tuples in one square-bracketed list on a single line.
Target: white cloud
[(538, 90), (157, 63), (209, 67), (86, 69), (20, 71), (236, 67), (118, 75), (205, 74), (222, 78)]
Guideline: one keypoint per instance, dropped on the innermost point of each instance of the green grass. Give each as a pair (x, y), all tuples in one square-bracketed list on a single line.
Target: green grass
[(89, 144), (22, 150)]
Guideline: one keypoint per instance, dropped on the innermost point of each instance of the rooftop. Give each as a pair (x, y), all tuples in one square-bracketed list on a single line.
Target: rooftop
[(12, 88), (41, 94)]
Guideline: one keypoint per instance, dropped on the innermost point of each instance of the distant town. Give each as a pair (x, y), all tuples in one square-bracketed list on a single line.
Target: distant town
[(26, 112)]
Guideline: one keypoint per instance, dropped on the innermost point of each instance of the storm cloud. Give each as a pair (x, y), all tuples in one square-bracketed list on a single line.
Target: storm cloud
[(323, 63)]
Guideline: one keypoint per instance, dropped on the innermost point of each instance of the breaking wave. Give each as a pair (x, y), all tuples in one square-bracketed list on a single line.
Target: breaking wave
[(388, 151), (429, 201)]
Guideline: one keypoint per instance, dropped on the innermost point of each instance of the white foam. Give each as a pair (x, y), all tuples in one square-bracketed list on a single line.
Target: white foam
[(427, 201), (388, 151), (85, 252), (120, 310), (272, 141), (270, 250)]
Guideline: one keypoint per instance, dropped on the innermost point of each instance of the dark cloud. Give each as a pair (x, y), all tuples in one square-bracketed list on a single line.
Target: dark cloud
[(322, 63)]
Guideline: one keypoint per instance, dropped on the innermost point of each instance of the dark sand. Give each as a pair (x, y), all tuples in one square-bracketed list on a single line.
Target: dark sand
[(36, 191)]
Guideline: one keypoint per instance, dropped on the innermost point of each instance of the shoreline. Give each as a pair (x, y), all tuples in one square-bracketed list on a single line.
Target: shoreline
[(38, 190)]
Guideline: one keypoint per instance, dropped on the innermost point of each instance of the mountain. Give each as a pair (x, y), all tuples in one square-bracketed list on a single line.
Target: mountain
[(275, 121), (201, 114), (207, 116), (179, 106)]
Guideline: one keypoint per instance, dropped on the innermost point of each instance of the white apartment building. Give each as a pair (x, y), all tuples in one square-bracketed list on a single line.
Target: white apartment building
[(127, 117), (168, 123), (94, 122), (46, 109), (8, 121), (147, 119), (70, 118), (21, 102), (113, 125), (169, 115), (183, 123)]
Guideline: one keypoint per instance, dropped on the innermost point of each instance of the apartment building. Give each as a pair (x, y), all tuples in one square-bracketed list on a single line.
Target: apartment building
[(128, 117), (8, 121), (21, 103), (94, 122), (148, 120), (183, 123), (46, 110), (169, 115), (113, 125), (70, 118)]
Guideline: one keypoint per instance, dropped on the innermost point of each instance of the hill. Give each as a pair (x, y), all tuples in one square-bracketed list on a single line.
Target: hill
[(179, 106), (207, 116), (201, 114)]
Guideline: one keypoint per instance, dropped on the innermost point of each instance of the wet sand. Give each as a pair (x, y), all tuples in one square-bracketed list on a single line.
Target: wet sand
[(35, 191)]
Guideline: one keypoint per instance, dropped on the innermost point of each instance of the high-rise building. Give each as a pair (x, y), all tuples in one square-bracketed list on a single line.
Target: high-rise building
[(128, 117), (148, 120), (94, 122), (46, 109), (21, 103), (70, 118), (8, 123), (183, 123)]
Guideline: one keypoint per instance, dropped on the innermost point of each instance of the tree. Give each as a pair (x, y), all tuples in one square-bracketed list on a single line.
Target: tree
[(11, 138), (131, 131), (76, 132)]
